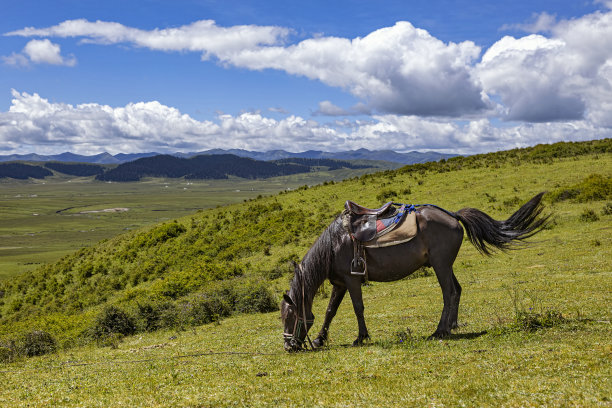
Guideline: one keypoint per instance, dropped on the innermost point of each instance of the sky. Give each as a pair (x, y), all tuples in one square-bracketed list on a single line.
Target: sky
[(190, 75)]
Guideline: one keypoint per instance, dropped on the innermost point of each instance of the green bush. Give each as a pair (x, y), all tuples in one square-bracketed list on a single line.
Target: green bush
[(386, 195), (255, 298), (37, 343), (113, 320), (208, 308), (531, 321), (588, 215), (8, 351), (593, 188)]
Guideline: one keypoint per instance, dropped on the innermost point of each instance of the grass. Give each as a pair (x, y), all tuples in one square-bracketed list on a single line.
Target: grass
[(535, 324), (33, 232)]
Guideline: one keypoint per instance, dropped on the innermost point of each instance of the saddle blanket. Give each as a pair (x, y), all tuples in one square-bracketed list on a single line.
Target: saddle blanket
[(403, 232)]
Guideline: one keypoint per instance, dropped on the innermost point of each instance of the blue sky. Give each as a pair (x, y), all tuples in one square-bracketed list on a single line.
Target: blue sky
[(453, 76)]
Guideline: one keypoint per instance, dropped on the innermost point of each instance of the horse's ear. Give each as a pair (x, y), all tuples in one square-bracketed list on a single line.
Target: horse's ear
[(288, 299)]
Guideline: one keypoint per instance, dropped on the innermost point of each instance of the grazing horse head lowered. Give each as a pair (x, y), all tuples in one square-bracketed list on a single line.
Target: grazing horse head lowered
[(436, 244)]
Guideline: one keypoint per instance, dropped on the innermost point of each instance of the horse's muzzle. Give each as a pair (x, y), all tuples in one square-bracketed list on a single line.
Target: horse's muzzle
[(292, 346)]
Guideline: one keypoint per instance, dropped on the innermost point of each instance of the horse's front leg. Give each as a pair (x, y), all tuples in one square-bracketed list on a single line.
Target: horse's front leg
[(334, 301), (353, 284)]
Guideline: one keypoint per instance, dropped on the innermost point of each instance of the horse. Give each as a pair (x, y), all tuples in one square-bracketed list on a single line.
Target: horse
[(436, 244)]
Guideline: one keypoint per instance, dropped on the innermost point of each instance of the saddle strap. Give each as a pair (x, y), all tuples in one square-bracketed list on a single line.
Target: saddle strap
[(358, 264)]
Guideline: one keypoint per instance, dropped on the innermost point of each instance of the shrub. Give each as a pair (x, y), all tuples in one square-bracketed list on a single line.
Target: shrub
[(113, 320), (255, 298), (37, 343), (588, 215), (8, 351), (594, 187), (151, 316), (531, 321), (607, 210), (386, 195), (208, 308)]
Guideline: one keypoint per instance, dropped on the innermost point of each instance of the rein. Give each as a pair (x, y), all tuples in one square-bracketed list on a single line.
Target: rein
[(297, 327)]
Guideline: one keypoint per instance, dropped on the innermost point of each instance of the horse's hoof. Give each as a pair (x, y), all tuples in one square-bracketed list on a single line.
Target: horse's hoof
[(359, 341), (439, 334), (318, 342)]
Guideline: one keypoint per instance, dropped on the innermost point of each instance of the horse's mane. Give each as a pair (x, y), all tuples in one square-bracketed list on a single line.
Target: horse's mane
[(316, 265)]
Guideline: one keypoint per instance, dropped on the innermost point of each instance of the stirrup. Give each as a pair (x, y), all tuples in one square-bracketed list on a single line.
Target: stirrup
[(355, 266)]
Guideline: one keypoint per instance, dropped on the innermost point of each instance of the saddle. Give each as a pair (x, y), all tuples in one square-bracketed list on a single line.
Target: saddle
[(391, 224)]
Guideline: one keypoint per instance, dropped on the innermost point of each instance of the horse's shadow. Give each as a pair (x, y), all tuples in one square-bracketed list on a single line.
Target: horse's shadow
[(464, 336), (451, 337)]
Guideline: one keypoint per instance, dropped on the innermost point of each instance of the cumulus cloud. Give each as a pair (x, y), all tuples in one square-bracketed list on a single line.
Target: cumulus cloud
[(39, 52), (399, 69), (564, 77), (32, 123), (420, 92)]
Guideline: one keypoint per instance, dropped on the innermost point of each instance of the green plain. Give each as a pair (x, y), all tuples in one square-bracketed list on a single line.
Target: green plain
[(488, 362), (43, 220)]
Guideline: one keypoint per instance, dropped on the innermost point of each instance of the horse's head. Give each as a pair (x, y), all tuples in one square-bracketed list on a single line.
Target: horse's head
[(296, 328)]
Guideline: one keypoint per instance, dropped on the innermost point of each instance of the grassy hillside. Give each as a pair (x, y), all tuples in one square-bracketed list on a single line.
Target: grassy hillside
[(536, 322), (41, 221)]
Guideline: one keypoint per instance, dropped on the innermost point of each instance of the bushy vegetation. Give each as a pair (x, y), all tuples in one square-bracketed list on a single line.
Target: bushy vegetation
[(594, 188), (29, 344), (223, 261)]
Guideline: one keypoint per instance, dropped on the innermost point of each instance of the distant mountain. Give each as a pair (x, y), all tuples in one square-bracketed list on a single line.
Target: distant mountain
[(217, 166), (67, 157), (360, 154)]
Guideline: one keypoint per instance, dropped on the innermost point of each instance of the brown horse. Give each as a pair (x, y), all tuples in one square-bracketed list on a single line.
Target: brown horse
[(436, 244)]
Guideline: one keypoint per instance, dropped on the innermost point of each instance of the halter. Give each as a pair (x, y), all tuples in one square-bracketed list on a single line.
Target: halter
[(294, 338)]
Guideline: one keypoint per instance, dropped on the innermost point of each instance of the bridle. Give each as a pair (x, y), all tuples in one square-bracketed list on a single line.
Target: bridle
[(300, 322)]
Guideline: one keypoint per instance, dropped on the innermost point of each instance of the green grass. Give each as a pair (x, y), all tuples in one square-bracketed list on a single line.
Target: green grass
[(33, 233), (500, 355)]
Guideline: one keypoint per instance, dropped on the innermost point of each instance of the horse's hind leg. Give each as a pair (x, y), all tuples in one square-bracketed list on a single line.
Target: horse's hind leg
[(451, 294), (334, 301), (454, 310)]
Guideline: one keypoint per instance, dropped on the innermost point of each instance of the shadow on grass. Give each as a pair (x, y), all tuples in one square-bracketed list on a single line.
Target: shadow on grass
[(465, 336)]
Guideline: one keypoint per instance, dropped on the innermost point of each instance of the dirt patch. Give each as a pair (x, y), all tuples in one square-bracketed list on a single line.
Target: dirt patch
[(106, 210)]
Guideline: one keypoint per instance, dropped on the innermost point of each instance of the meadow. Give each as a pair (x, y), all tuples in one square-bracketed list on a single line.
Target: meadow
[(43, 220), (535, 324)]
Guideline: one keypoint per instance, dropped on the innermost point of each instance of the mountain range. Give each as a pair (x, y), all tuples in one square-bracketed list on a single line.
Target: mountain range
[(360, 154)]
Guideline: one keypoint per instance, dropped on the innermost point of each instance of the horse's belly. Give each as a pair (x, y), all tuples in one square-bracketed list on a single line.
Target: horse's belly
[(395, 262)]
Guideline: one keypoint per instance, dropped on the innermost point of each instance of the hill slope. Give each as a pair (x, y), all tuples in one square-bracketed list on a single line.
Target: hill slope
[(212, 167), (535, 323), (254, 241)]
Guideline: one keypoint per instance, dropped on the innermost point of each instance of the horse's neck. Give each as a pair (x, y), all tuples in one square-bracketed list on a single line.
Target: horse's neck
[(304, 292)]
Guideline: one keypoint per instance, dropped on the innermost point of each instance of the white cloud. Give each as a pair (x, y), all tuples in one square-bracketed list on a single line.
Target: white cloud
[(564, 77), (327, 108), (201, 36), (558, 86), (33, 124), (39, 52), (540, 23), (398, 69)]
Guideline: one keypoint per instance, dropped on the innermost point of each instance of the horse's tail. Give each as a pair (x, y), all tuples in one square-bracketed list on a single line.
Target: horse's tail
[(486, 233)]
